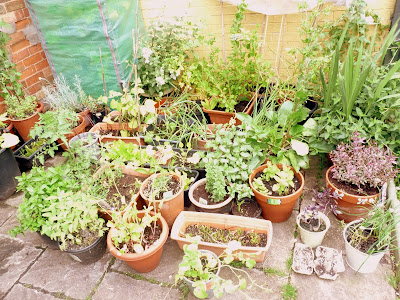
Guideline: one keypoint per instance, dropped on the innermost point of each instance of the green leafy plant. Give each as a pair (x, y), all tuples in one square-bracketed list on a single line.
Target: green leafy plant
[(28, 150), (71, 217), (215, 184), (201, 267), (283, 178)]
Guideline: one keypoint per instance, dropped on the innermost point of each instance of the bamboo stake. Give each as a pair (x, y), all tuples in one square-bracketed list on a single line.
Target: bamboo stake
[(262, 49), (223, 31), (278, 49)]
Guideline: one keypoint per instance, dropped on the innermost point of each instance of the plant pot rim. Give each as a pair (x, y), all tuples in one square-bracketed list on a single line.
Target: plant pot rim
[(223, 112), (84, 137), (99, 239), (282, 198), (321, 215), (39, 108), (146, 253), (218, 270), (17, 152), (344, 233), (145, 183), (196, 203), (345, 193), (96, 128)]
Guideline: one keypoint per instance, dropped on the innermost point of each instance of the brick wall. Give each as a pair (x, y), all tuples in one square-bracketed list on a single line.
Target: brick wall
[(210, 12), (24, 47)]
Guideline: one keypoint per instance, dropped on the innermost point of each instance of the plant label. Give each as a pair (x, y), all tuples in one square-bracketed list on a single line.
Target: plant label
[(203, 201), (168, 195), (274, 201)]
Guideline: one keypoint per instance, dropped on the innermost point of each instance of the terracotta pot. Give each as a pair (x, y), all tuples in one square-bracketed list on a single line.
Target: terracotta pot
[(200, 143), (87, 117), (117, 126), (350, 205), (222, 117), (24, 126), (222, 221), (170, 207), (74, 132), (221, 208), (163, 103), (106, 214), (149, 259), (2, 105), (277, 208)]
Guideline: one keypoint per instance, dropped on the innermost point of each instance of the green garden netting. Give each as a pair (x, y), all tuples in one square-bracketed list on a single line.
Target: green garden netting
[(72, 31)]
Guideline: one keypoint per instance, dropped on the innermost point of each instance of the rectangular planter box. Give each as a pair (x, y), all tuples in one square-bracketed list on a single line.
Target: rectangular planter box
[(222, 221), (26, 163)]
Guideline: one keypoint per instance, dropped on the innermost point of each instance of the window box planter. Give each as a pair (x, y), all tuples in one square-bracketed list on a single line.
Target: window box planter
[(104, 127), (26, 163), (222, 221), (223, 117)]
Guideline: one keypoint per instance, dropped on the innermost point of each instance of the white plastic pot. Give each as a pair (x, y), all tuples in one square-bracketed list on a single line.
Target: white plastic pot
[(312, 238), (357, 260)]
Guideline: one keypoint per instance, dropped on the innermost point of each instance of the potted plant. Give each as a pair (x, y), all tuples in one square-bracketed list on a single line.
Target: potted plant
[(8, 165), (368, 239), (86, 142), (137, 237), (22, 109), (254, 235), (226, 86), (359, 169), (246, 207), (164, 191), (72, 220), (276, 188), (200, 269), (59, 126), (313, 222), (29, 154)]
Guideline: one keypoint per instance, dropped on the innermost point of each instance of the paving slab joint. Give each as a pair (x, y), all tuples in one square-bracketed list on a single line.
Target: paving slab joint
[(59, 295), (93, 291)]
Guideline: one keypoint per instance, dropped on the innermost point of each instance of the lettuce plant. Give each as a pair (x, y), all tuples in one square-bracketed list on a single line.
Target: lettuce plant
[(363, 164)]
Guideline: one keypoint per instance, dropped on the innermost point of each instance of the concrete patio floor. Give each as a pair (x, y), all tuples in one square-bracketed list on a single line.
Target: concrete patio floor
[(29, 270)]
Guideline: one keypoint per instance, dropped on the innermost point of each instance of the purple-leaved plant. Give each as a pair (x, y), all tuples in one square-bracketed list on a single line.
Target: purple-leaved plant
[(363, 164), (324, 202)]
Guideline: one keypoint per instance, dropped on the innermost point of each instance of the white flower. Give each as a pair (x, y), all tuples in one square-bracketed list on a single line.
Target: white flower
[(236, 36), (172, 73), (146, 52), (160, 81), (148, 107)]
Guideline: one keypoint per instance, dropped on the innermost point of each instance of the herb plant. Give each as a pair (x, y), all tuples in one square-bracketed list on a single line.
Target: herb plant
[(363, 164), (28, 150)]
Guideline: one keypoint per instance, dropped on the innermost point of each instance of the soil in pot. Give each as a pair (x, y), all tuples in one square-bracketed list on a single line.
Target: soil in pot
[(173, 185), (351, 188), (201, 195), (124, 188), (269, 185), (150, 236), (216, 235), (87, 237), (313, 224), (115, 132), (239, 107), (249, 208), (366, 242)]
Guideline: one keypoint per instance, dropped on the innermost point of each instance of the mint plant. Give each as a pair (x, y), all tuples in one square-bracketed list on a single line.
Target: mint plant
[(363, 164), (215, 184)]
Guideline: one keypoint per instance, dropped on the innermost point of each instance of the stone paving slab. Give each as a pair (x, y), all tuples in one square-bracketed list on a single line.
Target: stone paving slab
[(15, 259), (168, 267), (5, 213), (21, 292), (15, 199), (56, 271), (119, 286)]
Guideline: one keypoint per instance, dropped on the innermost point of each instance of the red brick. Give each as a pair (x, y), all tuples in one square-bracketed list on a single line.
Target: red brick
[(33, 59), (19, 14), (18, 56), (26, 13), (23, 82), (20, 66), (35, 49), (22, 24), (15, 5), (28, 72), (44, 55), (35, 88), (47, 72), (16, 37), (20, 45), (41, 65), (33, 79)]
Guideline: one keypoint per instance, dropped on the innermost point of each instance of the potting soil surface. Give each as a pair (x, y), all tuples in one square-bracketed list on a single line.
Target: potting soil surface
[(31, 270)]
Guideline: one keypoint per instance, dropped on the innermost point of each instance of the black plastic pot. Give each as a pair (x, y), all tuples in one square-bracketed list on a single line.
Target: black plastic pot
[(8, 171), (26, 163), (312, 106), (91, 253), (98, 117)]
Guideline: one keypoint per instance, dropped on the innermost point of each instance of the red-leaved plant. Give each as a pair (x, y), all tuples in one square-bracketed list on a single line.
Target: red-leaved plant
[(363, 164)]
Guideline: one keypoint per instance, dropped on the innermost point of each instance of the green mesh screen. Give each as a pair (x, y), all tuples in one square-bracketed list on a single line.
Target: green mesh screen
[(72, 31)]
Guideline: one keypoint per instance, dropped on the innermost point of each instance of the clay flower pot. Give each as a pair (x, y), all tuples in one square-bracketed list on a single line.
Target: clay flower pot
[(169, 208), (357, 260), (221, 207), (2, 105), (74, 132), (277, 208), (313, 238), (223, 117), (24, 126), (222, 221), (116, 126), (87, 117), (200, 143), (149, 259), (353, 207)]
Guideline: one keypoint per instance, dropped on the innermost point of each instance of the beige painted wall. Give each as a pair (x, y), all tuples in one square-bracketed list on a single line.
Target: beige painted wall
[(280, 28)]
